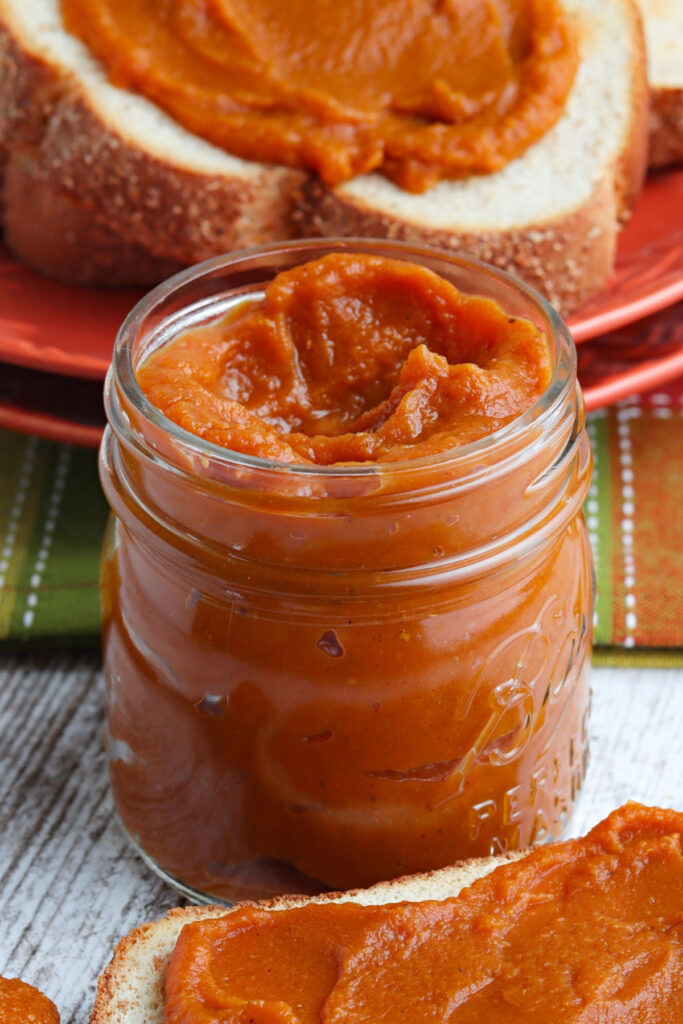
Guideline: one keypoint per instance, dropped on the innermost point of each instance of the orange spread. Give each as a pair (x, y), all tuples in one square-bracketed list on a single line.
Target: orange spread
[(350, 359), (23, 1004), (418, 89), (584, 932)]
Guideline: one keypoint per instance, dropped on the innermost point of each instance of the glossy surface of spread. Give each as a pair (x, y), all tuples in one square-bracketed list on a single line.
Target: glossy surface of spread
[(419, 90), (581, 932), (351, 358), (21, 1003)]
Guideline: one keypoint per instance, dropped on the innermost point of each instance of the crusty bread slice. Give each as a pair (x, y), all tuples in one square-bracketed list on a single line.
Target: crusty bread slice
[(130, 989), (57, 236), (664, 37), (551, 216), (157, 184)]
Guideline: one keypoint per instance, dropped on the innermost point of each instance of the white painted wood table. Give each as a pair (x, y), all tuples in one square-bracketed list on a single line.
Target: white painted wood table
[(69, 884)]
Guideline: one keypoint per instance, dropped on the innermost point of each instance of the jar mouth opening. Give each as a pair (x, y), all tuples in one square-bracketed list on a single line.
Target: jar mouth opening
[(248, 263)]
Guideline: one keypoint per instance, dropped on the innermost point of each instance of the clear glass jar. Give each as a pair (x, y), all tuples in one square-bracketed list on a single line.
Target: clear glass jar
[(324, 676)]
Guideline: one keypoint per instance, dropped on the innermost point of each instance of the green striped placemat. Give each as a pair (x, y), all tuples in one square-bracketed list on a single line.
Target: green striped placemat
[(53, 513), (52, 517)]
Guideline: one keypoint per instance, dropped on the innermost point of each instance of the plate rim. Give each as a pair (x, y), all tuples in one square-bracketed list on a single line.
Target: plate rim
[(49, 427)]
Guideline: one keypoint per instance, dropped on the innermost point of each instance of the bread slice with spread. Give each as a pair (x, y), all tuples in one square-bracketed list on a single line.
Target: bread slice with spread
[(540, 935), (551, 216)]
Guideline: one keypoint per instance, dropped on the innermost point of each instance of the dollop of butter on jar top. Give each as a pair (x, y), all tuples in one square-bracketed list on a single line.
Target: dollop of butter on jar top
[(416, 89), (351, 358)]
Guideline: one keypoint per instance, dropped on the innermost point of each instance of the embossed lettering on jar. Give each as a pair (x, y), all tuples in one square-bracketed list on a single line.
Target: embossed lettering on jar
[(331, 675)]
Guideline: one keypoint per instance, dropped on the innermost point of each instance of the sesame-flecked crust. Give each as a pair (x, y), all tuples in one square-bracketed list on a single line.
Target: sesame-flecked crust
[(666, 127), (173, 211), (130, 989), (29, 90), (567, 261), (61, 239)]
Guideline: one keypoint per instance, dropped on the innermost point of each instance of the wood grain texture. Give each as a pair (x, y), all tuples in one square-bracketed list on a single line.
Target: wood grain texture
[(70, 886)]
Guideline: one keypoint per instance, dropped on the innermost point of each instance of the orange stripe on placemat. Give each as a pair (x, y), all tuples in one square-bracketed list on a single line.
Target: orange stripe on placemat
[(647, 527)]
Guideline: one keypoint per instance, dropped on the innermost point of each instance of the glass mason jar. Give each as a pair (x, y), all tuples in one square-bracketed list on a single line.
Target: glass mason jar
[(324, 676)]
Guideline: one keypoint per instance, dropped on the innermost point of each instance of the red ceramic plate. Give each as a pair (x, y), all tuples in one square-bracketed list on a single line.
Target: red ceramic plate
[(70, 330), (56, 327), (633, 359), (636, 358)]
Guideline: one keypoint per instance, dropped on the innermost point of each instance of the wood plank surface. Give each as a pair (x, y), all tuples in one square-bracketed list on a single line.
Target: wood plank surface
[(70, 885)]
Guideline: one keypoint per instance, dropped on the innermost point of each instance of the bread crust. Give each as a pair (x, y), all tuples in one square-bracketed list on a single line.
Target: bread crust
[(64, 241), (633, 159), (666, 127), (171, 210), (29, 90), (567, 261), (663, 20)]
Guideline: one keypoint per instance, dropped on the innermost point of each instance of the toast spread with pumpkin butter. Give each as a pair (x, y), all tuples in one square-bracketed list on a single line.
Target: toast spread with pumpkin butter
[(588, 930), (526, 150), (418, 91)]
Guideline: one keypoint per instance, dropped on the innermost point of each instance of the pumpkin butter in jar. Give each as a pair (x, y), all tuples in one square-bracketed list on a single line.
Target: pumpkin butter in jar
[(347, 586)]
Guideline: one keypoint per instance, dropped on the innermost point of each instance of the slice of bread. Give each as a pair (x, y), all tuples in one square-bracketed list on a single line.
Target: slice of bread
[(551, 216), (131, 988), (664, 36)]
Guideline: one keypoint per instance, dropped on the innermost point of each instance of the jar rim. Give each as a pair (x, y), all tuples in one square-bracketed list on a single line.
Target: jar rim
[(122, 376)]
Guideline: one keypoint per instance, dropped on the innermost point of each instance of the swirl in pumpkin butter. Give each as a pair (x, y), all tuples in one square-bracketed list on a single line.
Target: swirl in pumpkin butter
[(351, 359), (581, 932), (420, 90)]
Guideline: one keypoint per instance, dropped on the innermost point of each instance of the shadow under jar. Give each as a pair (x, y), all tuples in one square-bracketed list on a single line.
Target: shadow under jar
[(325, 676)]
